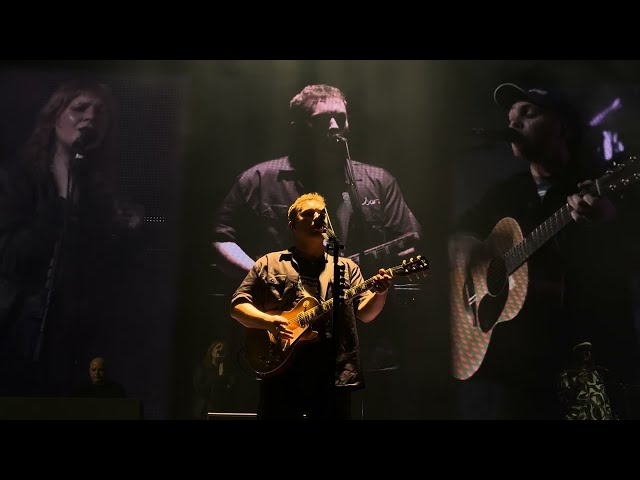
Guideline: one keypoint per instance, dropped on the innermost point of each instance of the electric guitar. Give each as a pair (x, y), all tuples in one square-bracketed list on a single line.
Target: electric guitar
[(268, 356), (489, 280)]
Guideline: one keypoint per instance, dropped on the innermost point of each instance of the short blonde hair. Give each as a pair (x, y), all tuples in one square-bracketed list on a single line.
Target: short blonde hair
[(294, 209)]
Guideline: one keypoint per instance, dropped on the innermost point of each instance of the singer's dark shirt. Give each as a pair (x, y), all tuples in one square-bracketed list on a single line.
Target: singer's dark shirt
[(30, 216), (213, 392), (108, 389), (254, 212), (31, 220)]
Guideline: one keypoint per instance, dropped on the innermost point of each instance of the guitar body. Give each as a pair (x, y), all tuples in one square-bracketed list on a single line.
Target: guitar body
[(268, 356), (482, 295), (490, 279)]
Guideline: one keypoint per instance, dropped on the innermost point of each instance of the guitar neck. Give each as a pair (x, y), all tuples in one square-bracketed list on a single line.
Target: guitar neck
[(537, 238), (308, 317), (619, 177), (519, 254)]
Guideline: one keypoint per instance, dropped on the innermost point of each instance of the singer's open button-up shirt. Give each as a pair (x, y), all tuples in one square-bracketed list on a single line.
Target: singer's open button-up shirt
[(272, 286)]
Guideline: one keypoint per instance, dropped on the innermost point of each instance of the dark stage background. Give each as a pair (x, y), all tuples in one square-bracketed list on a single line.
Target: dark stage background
[(190, 127)]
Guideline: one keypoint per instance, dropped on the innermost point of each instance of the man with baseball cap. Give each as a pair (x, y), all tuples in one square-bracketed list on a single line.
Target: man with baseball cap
[(549, 99), (576, 278)]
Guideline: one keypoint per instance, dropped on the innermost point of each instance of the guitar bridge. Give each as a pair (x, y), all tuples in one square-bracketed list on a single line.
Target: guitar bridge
[(469, 299)]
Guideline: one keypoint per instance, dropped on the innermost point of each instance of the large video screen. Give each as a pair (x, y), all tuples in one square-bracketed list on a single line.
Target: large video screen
[(90, 206)]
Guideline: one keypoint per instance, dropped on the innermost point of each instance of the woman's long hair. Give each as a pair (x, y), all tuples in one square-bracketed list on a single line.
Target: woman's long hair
[(38, 152), (206, 360)]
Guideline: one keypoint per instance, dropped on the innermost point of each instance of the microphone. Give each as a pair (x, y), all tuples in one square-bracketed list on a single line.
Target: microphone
[(339, 137), (86, 137), (319, 219), (491, 136)]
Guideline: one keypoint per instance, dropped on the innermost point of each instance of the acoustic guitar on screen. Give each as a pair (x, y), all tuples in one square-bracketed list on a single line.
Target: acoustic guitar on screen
[(489, 279)]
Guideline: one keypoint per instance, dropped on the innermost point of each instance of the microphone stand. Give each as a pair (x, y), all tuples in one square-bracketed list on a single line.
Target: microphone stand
[(356, 205), (54, 265), (333, 246)]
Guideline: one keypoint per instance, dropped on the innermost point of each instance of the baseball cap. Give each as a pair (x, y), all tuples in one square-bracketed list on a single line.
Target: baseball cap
[(506, 94), (582, 345)]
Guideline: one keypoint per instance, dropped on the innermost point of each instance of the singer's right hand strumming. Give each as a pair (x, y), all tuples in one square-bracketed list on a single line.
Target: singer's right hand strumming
[(279, 328), (248, 315)]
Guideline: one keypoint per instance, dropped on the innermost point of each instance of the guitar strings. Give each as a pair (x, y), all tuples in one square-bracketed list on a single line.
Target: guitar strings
[(518, 254)]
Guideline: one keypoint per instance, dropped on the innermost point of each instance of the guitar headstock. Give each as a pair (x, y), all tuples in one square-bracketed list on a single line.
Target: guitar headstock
[(417, 266), (621, 175)]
